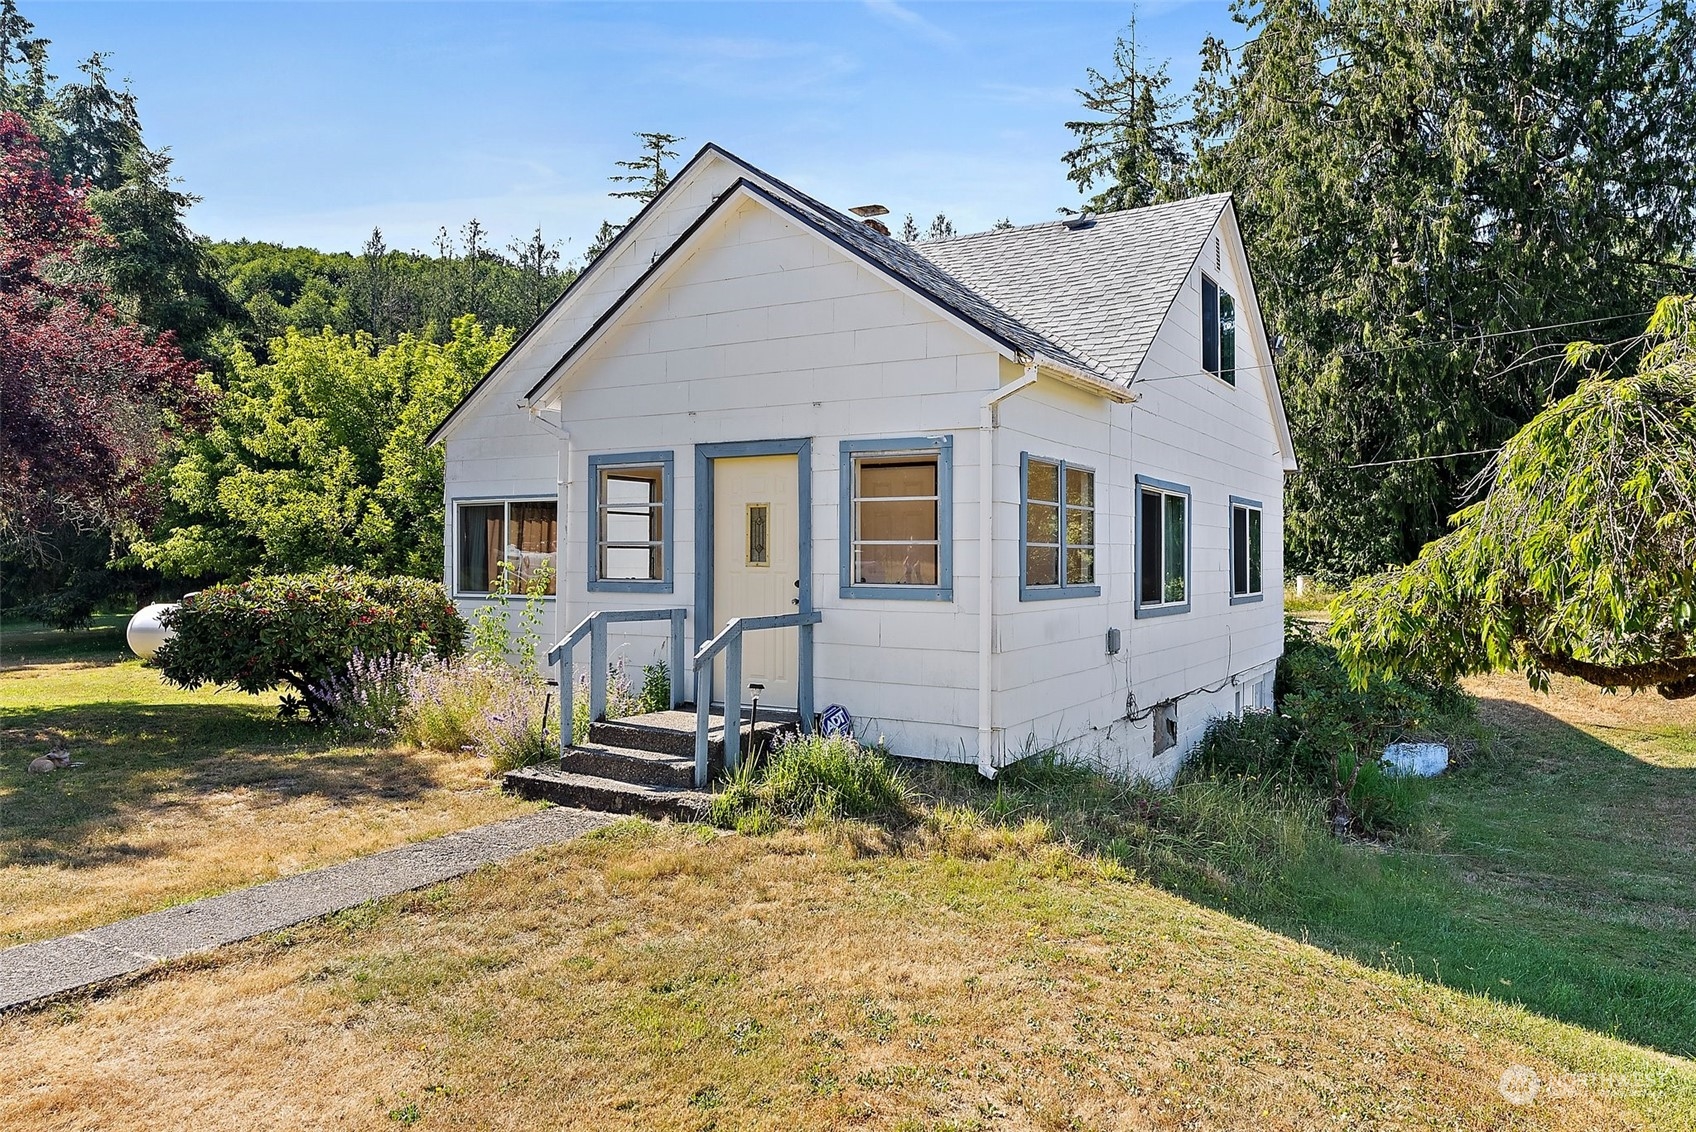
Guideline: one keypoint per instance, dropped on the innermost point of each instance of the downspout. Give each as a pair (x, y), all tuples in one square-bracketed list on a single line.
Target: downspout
[(562, 496), (989, 419)]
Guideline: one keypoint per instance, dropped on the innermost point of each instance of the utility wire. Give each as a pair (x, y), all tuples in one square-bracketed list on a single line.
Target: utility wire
[(1365, 352), (1422, 459)]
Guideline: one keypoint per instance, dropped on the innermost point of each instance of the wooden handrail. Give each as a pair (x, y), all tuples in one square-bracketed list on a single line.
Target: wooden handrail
[(594, 627), (729, 641)]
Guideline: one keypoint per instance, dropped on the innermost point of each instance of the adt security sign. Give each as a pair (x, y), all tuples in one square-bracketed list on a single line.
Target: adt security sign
[(835, 721)]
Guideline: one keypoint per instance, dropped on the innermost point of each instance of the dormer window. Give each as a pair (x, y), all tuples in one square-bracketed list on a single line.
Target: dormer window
[(1218, 332)]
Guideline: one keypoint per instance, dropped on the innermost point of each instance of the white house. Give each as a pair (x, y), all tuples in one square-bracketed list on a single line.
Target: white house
[(1030, 480)]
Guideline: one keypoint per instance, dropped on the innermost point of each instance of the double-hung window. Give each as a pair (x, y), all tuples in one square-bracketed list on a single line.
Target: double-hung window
[(1218, 331), (1245, 551), (1163, 548), (1058, 505), (630, 522), (897, 518), (515, 538)]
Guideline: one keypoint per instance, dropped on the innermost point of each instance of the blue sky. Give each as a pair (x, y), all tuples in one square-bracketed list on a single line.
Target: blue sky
[(311, 122)]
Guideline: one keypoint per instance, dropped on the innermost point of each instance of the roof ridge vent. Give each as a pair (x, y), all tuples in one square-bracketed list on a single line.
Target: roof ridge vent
[(1079, 222)]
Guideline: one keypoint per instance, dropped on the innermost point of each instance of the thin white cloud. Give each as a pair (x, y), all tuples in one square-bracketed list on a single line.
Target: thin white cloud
[(891, 12), (1017, 95)]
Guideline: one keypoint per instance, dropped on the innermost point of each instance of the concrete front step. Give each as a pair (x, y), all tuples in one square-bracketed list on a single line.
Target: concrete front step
[(673, 733), (626, 764), (590, 792)]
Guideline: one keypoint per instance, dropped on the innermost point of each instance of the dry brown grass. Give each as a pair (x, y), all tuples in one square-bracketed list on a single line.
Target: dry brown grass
[(668, 978), (183, 794)]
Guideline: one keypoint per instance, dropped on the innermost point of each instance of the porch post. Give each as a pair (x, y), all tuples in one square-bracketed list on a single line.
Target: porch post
[(567, 700), (804, 694), (597, 669), (676, 657), (733, 702)]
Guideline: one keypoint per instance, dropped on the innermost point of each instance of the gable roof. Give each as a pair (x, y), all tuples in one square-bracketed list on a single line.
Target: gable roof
[(1085, 303), (906, 262), (1102, 289)]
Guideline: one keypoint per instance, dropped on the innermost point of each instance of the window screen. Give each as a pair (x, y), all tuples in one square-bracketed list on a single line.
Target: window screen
[(895, 504)]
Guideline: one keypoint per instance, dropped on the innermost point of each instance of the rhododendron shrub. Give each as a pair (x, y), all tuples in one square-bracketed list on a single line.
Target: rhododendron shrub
[(305, 631)]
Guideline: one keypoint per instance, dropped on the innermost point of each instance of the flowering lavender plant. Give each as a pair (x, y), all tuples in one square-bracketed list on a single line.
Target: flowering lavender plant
[(368, 698)]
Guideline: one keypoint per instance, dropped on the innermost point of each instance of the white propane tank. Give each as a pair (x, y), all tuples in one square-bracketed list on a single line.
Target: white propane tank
[(145, 633)]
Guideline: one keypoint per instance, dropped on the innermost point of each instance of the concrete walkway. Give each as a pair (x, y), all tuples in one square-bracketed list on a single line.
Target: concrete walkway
[(33, 971)]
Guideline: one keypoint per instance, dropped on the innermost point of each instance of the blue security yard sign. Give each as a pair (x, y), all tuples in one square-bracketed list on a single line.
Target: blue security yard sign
[(835, 721)]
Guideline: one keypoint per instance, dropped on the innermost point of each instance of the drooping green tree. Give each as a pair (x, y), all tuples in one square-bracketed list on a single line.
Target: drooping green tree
[(317, 457), (1437, 196), (1581, 559)]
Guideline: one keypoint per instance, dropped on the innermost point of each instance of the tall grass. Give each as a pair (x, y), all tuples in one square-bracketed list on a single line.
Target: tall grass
[(478, 706), (811, 777), (1219, 839)]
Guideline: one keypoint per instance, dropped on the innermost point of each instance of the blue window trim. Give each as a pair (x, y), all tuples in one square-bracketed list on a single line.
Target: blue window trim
[(1164, 610), (943, 446), (1028, 592), (1231, 572), (665, 460), (452, 539), (802, 449)]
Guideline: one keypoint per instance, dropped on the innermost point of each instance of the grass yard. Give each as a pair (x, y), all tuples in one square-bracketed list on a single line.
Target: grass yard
[(1002, 964), (185, 794), (1558, 872), (667, 978)]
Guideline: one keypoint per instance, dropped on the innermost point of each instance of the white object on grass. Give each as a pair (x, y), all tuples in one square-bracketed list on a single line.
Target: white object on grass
[(1422, 760), (145, 633)]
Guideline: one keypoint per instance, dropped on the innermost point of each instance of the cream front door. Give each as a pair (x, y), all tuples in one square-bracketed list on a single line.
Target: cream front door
[(757, 568)]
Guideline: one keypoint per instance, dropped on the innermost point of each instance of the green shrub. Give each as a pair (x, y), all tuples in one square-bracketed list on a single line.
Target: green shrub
[(1330, 735), (304, 630), (656, 689), (811, 776)]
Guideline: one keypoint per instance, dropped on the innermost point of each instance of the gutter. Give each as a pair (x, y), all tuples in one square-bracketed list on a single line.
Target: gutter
[(1088, 382), (988, 421)]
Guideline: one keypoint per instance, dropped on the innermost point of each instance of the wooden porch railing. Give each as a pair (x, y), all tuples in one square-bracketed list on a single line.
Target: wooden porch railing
[(594, 627), (729, 642)]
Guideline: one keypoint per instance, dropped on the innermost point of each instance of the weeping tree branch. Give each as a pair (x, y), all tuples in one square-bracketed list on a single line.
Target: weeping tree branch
[(1580, 559)]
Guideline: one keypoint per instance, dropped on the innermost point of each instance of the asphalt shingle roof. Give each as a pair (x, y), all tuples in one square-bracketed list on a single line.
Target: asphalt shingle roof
[(906, 262), (1102, 291)]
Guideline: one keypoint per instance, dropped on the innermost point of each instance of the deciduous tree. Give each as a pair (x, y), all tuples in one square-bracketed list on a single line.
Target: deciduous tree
[(87, 393), (317, 458)]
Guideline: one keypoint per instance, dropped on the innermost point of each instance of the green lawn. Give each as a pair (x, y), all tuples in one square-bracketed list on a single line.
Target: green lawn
[(183, 794), (1559, 872)]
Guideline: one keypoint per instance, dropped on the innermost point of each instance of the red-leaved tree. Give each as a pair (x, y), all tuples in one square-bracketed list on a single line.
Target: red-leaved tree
[(85, 395)]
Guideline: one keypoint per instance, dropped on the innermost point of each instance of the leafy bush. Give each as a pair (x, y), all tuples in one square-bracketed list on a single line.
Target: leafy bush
[(304, 630), (811, 776), (1330, 735), (656, 688), (493, 636)]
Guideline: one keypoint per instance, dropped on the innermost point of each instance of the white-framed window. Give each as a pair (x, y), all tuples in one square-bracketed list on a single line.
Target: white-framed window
[(630, 522), (897, 518), (1163, 548), (521, 533), (1218, 331), (1245, 551), (1057, 532)]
